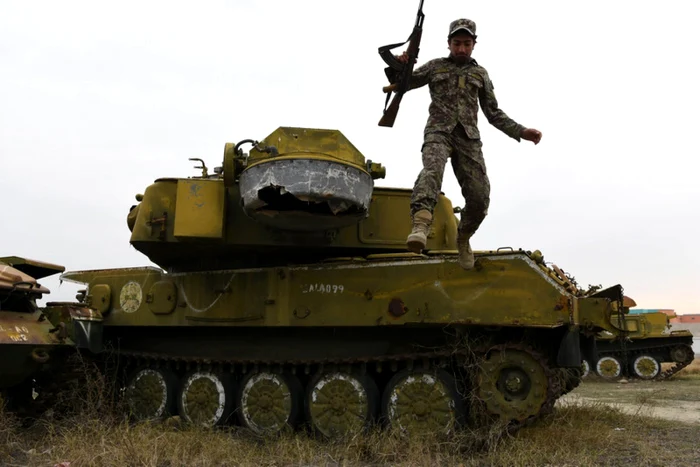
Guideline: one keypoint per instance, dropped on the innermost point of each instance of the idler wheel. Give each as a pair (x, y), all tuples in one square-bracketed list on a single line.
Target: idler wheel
[(269, 403), (646, 367), (682, 354), (417, 402), (513, 384), (609, 367), (150, 393), (341, 404), (585, 368), (206, 398)]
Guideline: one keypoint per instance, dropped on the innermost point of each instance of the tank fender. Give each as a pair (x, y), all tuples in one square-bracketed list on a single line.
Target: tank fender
[(569, 355)]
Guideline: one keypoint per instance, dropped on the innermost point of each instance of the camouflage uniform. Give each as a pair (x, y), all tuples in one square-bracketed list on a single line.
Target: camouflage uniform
[(451, 131)]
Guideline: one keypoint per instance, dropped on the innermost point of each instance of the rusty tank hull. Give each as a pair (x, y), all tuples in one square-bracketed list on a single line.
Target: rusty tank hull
[(29, 342), (254, 320)]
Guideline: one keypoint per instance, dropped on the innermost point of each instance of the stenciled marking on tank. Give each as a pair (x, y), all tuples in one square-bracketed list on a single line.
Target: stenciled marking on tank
[(130, 297), (181, 286), (16, 333), (84, 326), (323, 288), (15, 329)]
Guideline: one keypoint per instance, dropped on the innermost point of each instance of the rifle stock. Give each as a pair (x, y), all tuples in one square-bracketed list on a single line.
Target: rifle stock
[(389, 116)]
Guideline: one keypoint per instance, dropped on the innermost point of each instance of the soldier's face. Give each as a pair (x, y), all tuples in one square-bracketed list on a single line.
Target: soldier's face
[(461, 47)]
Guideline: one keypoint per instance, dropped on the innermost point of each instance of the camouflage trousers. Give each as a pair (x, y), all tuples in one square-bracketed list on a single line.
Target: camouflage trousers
[(470, 171)]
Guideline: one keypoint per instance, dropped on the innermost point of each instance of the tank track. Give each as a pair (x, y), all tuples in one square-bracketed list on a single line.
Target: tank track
[(663, 375), (429, 360), (673, 370)]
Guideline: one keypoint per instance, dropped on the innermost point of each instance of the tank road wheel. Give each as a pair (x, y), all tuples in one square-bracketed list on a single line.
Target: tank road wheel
[(340, 404), (646, 367), (268, 402), (150, 393), (608, 367), (513, 384), (585, 368), (419, 402), (205, 398)]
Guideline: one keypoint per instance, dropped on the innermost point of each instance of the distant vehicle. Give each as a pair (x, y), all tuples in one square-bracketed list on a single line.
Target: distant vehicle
[(647, 342)]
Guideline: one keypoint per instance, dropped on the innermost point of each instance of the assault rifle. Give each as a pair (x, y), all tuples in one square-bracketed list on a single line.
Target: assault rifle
[(402, 71)]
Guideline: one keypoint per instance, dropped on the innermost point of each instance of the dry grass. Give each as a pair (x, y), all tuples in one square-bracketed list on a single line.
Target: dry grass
[(692, 371), (578, 434), (91, 431), (8, 433)]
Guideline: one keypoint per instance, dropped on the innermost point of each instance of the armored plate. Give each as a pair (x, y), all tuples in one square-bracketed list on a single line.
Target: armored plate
[(305, 194)]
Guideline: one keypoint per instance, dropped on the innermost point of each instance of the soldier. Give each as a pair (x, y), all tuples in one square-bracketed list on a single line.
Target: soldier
[(458, 84)]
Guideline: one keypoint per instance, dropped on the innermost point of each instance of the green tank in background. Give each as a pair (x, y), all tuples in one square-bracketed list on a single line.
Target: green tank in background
[(639, 351), (286, 298)]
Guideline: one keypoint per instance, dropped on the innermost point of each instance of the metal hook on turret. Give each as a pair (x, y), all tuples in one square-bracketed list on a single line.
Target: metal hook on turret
[(205, 172), (236, 149)]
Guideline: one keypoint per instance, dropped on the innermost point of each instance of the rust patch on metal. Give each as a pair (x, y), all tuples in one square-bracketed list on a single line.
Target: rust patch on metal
[(562, 303), (397, 308)]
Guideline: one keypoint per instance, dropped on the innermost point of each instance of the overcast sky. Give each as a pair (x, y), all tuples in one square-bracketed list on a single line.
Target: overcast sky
[(98, 100)]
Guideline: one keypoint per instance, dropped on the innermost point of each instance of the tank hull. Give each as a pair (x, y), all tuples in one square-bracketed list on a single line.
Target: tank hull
[(353, 316)]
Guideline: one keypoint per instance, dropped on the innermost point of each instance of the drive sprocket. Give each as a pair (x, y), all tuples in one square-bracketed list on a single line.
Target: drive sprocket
[(516, 384)]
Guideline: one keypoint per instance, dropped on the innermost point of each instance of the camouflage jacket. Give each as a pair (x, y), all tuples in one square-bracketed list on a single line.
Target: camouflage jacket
[(456, 92)]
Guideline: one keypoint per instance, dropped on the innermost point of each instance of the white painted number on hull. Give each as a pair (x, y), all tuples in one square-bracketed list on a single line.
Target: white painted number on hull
[(322, 288), (16, 333)]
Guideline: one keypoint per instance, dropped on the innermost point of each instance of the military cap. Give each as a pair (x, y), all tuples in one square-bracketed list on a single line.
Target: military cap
[(462, 24)]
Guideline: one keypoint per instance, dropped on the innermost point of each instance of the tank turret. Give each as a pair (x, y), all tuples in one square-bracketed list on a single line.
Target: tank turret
[(300, 196), (304, 179)]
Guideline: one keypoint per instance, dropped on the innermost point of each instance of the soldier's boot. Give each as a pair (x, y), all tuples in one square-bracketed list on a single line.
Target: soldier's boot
[(466, 256), (422, 220)]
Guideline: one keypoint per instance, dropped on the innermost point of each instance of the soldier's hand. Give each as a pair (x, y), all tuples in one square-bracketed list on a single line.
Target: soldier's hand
[(530, 134), (403, 58)]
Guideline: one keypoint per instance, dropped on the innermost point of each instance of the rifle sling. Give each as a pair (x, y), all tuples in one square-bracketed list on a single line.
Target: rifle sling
[(388, 57)]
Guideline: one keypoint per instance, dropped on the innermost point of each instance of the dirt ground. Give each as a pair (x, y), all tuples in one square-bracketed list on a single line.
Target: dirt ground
[(673, 399)]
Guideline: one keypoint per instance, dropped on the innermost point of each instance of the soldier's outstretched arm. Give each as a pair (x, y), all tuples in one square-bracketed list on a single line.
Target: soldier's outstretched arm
[(496, 116)]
